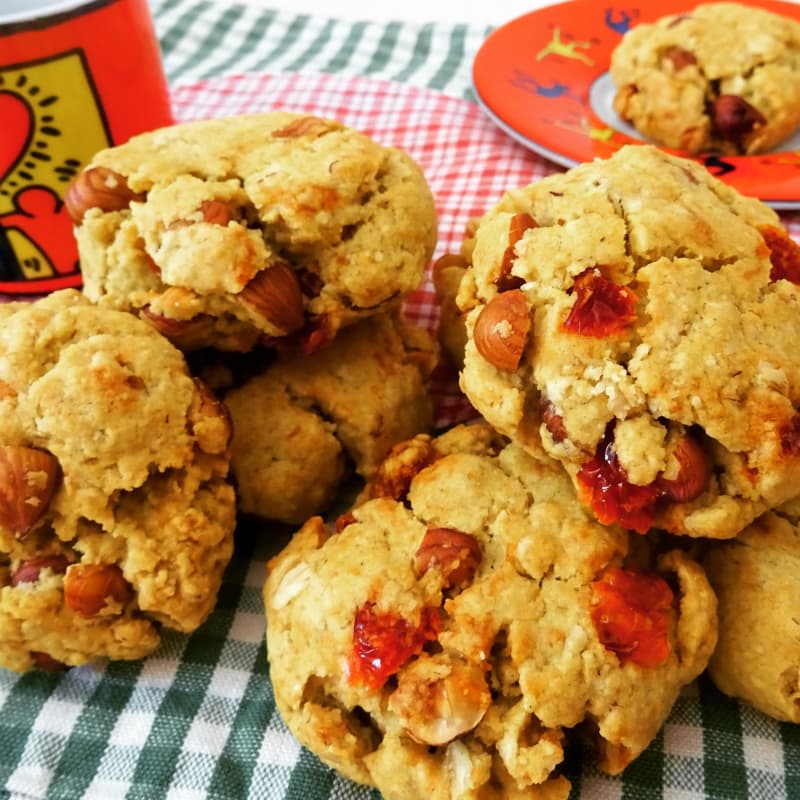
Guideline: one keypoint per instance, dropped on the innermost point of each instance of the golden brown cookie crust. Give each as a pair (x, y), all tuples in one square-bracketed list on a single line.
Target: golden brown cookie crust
[(757, 580), (228, 232), (116, 515), (303, 426), (486, 708), (695, 383)]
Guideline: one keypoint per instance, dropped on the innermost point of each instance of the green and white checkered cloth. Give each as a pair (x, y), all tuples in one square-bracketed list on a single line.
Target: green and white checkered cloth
[(198, 718)]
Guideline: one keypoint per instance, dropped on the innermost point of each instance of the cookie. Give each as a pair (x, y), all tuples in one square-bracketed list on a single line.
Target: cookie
[(268, 229), (475, 619), (640, 318), (116, 514), (302, 427), (721, 77), (756, 577)]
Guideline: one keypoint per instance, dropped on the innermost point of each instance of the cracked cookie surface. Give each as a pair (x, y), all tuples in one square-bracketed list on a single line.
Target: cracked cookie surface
[(721, 77), (116, 515), (302, 427), (273, 228), (467, 605), (639, 318)]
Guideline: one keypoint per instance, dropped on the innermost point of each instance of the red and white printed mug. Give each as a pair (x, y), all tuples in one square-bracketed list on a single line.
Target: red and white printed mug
[(75, 77)]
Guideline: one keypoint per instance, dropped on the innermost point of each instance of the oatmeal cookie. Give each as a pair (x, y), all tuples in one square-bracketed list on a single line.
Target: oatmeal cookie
[(475, 618), (756, 577), (302, 426), (116, 515), (641, 318), (722, 77), (269, 229)]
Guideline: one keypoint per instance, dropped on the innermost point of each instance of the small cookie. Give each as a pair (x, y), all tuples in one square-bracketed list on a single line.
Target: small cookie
[(756, 577), (722, 77), (641, 317), (267, 228), (303, 426), (474, 617), (116, 516)]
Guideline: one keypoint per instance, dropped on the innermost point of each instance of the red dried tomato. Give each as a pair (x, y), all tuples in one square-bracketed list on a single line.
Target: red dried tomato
[(603, 485), (601, 307), (784, 254), (383, 642), (630, 612)]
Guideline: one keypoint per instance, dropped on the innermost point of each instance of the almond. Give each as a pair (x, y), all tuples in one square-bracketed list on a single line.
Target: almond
[(274, 294), (502, 328), (28, 480), (98, 187)]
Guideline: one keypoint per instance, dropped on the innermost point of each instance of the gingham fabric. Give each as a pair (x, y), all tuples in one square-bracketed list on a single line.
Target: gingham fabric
[(198, 719)]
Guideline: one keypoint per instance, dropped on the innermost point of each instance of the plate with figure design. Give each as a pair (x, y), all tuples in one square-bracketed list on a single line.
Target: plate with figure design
[(544, 79)]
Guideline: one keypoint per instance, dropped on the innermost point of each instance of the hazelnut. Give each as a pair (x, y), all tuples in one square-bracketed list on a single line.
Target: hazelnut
[(98, 187), (693, 472), (29, 570), (519, 224), (680, 58), (186, 334), (305, 126), (89, 587), (215, 212), (394, 475), (733, 118), (274, 294), (28, 480), (457, 555), (502, 328), (456, 697)]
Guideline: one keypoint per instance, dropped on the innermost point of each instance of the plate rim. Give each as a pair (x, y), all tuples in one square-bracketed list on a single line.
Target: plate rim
[(567, 158)]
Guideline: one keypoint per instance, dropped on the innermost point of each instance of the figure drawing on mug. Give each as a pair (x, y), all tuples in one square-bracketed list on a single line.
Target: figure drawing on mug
[(41, 150)]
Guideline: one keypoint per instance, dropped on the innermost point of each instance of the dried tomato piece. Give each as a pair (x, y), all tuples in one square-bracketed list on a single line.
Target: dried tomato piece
[(519, 224), (784, 254), (601, 307), (384, 641), (603, 485), (631, 612)]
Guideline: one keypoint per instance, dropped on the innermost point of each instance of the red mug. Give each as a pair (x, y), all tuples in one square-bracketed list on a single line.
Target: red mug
[(75, 77)]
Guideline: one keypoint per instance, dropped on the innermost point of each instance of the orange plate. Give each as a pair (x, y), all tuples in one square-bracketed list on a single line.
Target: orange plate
[(543, 78)]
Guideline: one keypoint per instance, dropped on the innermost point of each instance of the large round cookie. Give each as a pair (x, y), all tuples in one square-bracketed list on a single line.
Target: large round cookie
[(468, 619), (303, 426), (269, 228), (756, 577), (116, 516), (720, 77), (640, 317)]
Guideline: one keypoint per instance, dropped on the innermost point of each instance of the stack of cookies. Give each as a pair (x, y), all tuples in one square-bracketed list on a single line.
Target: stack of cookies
[(624, 513), (623, 516), (238, 347)]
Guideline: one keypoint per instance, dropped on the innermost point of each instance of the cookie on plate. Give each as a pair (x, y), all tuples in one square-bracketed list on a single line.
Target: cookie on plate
[(756, 577), (303, 426), (116, 515), (641, 318), (267, 228), (721, 77), (474, 619)]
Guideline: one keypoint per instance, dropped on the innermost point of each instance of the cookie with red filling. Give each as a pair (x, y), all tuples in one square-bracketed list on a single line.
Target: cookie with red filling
[(475, 619), (640, 318)]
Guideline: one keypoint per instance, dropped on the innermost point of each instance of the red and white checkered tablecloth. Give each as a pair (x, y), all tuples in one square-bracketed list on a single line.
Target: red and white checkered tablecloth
[(468, 162)]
